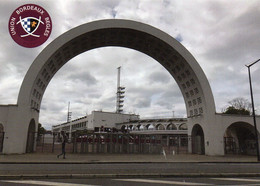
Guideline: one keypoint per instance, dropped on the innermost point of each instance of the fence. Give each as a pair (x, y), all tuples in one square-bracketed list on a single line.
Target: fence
[(246, 147), (118, 143)]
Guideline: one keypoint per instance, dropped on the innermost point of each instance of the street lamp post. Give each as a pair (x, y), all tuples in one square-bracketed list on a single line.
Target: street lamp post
[(253, 108)]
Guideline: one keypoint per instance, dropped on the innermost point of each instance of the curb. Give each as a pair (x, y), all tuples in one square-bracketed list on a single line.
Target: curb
[(137, 162), (109, 176)]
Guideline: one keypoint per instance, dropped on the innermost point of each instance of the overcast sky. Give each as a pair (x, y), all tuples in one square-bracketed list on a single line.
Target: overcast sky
[(222, 35)]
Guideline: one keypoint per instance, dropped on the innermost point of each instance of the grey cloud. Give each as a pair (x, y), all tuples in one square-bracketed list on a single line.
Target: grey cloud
[(238, 38), (84, 78), (94, 95), (169, 98), (142, 102), (106, 103), (222, 35), (159, 77)]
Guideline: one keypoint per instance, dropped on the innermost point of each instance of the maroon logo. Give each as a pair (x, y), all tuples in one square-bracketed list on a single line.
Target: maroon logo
[(30, 25)]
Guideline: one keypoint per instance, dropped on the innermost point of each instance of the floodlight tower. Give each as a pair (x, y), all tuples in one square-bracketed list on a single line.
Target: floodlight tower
[(69, 113), (120, 94)]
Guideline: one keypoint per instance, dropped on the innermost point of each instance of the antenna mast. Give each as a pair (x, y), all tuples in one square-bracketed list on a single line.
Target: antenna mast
[(119, 94)]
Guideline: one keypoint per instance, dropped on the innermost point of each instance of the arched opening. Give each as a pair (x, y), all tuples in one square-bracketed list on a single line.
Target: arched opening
[(198, 145), (183, 126), (131, 127), (151, 41), (141, 127), (160, 127), (149, 127), (239, 138), (123, 128), (1, 137), (137, 127), (171, 126), (31, 137)]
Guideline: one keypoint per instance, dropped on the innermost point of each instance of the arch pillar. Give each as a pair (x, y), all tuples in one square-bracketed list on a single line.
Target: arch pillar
[(18, 120), (213, 137)]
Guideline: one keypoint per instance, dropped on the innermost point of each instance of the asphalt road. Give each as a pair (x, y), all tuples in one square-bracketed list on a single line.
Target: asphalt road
[(137, 181), (131, 168)]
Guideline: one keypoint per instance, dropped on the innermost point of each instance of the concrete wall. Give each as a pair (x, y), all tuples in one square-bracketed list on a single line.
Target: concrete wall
[(214, 130), (109, 119), (16, 121), (98, 119)]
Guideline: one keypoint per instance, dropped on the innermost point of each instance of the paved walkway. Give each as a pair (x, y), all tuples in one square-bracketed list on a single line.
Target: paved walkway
[(50, 167), (118, 158)]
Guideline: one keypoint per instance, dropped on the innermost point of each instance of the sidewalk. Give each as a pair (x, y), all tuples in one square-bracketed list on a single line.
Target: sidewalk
[(122, 158), (48, 166)]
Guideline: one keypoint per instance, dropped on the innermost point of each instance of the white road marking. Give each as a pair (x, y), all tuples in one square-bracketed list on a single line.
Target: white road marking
[(45, 183), (237, 179), (161, 182)]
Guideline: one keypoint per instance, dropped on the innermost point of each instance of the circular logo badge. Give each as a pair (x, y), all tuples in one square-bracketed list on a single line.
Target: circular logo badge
[(30, 25)]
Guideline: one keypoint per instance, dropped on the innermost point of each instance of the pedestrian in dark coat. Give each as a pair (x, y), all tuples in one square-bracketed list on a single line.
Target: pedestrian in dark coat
[(63, 145)]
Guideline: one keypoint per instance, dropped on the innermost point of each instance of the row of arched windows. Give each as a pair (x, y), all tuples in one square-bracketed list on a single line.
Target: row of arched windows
[(171, 126)]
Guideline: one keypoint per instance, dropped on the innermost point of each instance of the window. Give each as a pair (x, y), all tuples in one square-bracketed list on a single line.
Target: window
[(187, 72), (174, 70), (191, 93), (34, 92), (199, 100), (188, 84), (192, 81)]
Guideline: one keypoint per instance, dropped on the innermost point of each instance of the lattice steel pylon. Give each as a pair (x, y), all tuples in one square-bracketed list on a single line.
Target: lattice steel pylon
[(69, 113), (120, 94)]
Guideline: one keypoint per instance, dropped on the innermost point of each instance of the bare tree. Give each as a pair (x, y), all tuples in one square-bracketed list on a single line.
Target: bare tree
[(240, 103), (238, 106)]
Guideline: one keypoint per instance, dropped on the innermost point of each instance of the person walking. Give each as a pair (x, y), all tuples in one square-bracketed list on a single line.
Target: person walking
[(63, 145)]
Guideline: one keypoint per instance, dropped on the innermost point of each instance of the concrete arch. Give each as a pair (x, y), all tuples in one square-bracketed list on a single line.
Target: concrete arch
[(244, 124), (123, 33), (183, 126), (239, 138), (138, 127), (123, 128), (174, 57), (149, 127), (131, 127), (171, 126), (160, 127)]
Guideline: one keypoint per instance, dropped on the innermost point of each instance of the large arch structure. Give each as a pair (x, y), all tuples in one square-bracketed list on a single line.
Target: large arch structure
[(123, 33), (151, 41)]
